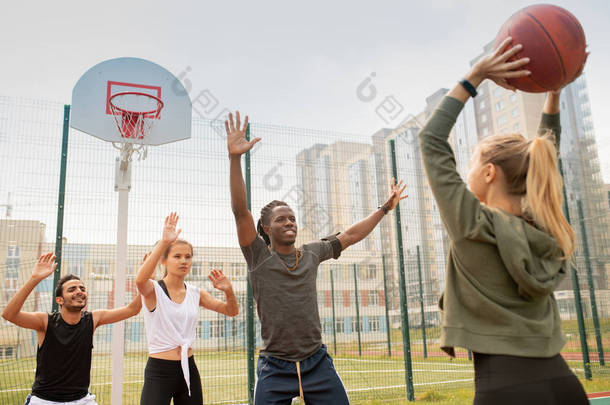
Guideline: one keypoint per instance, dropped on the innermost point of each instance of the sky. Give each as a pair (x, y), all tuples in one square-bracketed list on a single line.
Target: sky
[(296, 64)]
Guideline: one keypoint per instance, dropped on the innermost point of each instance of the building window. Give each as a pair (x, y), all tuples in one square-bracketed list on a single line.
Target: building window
[(373, 298), (516, 127), (500, 105), (100, 268), (515, 112), (367, 272), (485, 131), (356, 326), (502, 120), (513, 98), (238, 271), (498, 91), (197, 269), (483, 118), (13, 258), (340, 325), (482, 104), (374, 324), (217, 329)]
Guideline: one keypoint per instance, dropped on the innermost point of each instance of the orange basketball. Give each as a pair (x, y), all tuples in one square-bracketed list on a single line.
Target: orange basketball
[(554, 41)]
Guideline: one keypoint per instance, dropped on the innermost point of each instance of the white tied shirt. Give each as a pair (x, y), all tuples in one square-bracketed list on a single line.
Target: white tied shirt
[(173, 325)]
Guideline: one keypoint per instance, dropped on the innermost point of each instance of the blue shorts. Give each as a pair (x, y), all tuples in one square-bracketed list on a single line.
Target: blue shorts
[(278, 381)]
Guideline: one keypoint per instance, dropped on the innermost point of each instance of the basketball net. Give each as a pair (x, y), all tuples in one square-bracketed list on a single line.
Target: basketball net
[(135, 114)]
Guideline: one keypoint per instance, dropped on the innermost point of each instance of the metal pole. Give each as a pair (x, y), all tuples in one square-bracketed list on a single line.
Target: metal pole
[(584, 347), (332, 298), (355, 269), (406, 343), (585, 245), (387, 312), (421, 305), (122, 185), (249, 297), (60, 202)]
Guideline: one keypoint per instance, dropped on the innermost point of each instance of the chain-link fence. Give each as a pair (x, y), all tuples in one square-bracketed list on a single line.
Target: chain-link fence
[(376, 302)]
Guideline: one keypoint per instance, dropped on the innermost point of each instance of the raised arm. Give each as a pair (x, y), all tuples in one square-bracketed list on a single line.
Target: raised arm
[(30, 320), (458, 207), (549, 121), (220, 282), (106, 316), (237, 146), (362, 228), (143, 278)]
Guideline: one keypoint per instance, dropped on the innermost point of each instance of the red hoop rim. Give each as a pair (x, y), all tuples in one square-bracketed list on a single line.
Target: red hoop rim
[(156, 111)]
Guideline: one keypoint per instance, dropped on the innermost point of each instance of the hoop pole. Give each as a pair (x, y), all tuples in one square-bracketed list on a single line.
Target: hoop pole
[(59, 233), (122, 185)]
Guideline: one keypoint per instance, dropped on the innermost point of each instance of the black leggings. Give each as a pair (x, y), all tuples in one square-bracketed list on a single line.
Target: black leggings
[(513, 380), (164, 380)]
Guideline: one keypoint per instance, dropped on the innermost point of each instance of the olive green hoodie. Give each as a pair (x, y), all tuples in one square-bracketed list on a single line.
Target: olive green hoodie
[(501, 271)]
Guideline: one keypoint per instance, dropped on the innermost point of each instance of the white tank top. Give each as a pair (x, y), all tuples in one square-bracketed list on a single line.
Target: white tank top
[(173, 325)]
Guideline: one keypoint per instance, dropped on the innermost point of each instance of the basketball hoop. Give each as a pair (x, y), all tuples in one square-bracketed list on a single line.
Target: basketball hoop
[(135, 114)]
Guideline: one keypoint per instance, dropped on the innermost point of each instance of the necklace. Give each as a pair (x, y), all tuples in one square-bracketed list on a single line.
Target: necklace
[(297, 254)]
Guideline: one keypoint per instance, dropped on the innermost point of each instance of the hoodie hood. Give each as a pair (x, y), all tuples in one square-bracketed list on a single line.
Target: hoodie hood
[(533, 258)]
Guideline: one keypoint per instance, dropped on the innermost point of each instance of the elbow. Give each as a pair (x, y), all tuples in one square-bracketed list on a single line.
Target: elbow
[(7, 315)]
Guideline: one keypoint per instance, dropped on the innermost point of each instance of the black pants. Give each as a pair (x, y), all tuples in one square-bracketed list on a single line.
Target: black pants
[(513, 380), (164, 380)]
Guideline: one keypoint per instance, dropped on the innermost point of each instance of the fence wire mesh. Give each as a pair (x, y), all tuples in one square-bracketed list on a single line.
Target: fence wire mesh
[(330, 179)]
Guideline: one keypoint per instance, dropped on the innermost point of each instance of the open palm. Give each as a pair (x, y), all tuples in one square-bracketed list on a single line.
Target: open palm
[(45, 266), (170, 234), (219, 280), (236, 136)]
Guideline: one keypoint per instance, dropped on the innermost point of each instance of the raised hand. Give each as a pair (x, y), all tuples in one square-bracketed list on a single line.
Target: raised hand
[(170, 234), (236, 136), (220, 281), (44, 267), (496, 66), (396, 196)]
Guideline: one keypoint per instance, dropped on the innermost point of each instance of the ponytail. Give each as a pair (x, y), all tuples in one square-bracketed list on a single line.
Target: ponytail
[(261, 231), (544, 193)]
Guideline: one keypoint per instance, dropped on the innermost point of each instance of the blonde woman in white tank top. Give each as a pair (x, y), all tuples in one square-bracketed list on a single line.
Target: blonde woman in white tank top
[(170, 312)]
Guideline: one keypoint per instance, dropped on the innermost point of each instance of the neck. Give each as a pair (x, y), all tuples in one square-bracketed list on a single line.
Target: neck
[(506, 202), (70, 317), (283, 249), (173, 281)]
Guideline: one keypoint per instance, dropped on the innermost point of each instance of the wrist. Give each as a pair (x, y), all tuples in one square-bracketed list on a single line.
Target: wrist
[(474, 78)]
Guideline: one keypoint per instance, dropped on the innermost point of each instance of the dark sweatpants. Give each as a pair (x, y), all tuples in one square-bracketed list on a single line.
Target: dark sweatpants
[(164, 380), (501, 380), (278, 382)]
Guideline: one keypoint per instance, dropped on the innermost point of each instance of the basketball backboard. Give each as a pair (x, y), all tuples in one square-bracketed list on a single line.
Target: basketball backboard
[(91, 111)]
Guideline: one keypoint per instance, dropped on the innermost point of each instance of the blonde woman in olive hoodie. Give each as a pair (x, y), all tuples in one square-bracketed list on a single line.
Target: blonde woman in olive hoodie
[(510, 245)]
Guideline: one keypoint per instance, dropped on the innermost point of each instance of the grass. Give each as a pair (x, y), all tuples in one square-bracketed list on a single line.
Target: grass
[(370, 381)]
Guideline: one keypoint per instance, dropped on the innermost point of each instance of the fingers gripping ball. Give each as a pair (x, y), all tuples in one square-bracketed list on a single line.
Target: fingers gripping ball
[(554, 41)]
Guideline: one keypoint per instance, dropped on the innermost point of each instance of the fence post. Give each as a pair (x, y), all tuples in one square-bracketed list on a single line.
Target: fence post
[(332, 299), (249, 297), (585, 245), (59, 233), (355, 269), (421, 305), (584, 347), (387, 312), (406, 343)]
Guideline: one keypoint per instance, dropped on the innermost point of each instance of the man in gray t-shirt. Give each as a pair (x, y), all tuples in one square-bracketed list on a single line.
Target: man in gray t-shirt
[(283, 277)]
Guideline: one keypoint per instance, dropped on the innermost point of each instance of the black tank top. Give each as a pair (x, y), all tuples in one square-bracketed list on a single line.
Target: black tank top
[(63, 361)]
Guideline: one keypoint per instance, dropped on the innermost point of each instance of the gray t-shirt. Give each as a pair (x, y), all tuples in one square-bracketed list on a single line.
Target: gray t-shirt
[(286, 300)]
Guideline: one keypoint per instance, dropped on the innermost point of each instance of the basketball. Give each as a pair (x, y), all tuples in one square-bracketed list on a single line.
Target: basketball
[(554, 41)]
